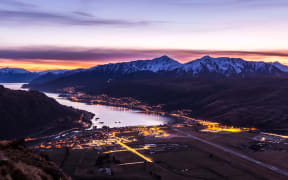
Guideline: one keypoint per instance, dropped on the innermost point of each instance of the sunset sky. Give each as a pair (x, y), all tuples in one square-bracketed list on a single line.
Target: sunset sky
[(68, 34)]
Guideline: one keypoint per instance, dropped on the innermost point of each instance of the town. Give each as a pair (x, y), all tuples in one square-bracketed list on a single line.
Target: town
[(148, 150)]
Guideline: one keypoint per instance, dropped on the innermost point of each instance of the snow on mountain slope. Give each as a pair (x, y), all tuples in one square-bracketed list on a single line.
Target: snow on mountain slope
[(22, 75), (228, 66), (163, 63), (24, 71), (50, 75), (16, 75), (280, 66), (61, 71), (223, 66), (14, 71), (52, 71)]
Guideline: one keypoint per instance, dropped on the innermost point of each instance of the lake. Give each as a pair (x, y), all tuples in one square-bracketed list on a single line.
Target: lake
[(108, 115)]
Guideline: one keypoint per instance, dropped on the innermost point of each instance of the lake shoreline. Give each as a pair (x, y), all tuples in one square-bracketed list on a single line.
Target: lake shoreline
[(179, 117), (105, 114)]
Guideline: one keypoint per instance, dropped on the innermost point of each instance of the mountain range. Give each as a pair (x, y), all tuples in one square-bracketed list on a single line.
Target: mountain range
[(205, 66), (224, 66), (11, 75)]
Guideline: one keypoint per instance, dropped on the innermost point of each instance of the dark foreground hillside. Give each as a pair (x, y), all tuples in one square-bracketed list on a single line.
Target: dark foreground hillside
[(20, 163), (32, 113)]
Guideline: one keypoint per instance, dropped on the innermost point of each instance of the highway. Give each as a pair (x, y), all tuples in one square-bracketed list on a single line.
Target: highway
[(272, 168), (133, 150), (278, 135)]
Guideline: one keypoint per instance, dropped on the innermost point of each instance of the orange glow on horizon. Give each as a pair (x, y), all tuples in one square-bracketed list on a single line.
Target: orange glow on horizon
[(44, 65)]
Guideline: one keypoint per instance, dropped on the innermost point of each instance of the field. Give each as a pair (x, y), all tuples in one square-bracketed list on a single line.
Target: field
[(175, 156)]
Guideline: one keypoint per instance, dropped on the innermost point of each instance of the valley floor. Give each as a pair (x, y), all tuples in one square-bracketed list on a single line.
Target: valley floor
[(174, 154)]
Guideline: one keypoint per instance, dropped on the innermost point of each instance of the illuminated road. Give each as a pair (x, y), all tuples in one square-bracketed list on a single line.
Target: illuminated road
[(271, 134), (273, 168), (132, 163), (134, 151)]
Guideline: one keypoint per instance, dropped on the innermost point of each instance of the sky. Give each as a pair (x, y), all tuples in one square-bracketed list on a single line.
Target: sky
[(69, 34)]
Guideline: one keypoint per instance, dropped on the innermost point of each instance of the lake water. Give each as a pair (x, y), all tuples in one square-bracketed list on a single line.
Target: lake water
[(108, 115)]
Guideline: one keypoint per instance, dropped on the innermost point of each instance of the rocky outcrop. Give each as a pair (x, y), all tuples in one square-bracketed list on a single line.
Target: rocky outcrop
[(19, 163)]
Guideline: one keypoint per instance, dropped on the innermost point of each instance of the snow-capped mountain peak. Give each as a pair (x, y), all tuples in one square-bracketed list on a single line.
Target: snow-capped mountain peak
[(13, 75), (280, 66), (220, 65), (205, 65), (163, 63), (13, 71), (229, 66), (164, 59), (56, 72)]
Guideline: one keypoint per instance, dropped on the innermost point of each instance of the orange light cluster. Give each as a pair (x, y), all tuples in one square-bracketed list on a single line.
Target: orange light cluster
[(153, 131), (214, 127), (30, 139)]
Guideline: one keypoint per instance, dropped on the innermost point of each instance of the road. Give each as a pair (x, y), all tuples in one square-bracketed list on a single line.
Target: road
[(133, 150), (272, 168)]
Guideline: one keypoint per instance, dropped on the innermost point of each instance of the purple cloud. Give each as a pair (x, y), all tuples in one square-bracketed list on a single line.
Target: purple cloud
[(85, 14), (233, 5), (16, 3), (100, 55), (36, 17)]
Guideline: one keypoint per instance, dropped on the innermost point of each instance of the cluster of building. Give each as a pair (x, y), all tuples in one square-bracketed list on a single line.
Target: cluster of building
[(208, 126), (76, 140), (103, 99), (99, 138)]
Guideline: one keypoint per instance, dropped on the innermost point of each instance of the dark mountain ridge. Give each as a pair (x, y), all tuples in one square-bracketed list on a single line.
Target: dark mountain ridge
[(13, 75), (17, 75)]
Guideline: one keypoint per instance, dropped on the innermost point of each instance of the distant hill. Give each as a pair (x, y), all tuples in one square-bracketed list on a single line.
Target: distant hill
[(29, 113), (17, 75), (46, 76)]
